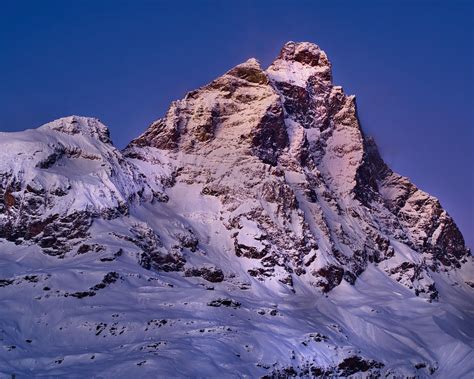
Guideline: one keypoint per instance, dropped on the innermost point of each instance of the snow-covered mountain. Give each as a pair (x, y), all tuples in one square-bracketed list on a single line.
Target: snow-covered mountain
[(253, 231)]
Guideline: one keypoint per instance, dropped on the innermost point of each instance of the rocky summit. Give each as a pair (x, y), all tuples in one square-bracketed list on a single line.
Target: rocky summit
[(253, 231)]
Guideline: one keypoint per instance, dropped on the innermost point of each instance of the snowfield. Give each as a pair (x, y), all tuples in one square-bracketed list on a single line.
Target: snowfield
[(149, 324)]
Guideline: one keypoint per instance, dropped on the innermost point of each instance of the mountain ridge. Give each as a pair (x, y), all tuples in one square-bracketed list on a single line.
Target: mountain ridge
[(259, 187)]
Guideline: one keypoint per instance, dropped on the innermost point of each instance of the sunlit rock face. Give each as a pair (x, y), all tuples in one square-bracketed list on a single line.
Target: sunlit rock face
[(283, 151), (254, 228)]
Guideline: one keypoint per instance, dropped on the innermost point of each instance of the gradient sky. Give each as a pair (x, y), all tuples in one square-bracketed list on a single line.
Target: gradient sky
[(410, 64)]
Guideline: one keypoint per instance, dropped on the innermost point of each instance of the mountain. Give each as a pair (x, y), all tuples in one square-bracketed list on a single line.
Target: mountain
[(254, 231)]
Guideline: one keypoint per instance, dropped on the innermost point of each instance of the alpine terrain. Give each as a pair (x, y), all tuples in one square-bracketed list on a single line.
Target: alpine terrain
[(254, 231)]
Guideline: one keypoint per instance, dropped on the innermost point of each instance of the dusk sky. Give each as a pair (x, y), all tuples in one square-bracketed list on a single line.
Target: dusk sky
[(410, 64)]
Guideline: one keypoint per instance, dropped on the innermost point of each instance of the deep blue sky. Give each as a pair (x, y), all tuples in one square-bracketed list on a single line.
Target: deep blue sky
[(410, 63)]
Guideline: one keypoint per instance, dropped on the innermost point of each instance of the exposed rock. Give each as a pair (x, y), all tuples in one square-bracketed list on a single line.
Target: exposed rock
[(330, 277), (355, 364), (109, 278), (224, 302), (211, 274)]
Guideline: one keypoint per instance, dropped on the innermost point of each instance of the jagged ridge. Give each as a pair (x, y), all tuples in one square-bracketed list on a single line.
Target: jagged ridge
[(294, 140)]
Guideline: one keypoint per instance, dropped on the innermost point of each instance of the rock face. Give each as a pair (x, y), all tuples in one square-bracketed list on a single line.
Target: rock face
[(263, 184), (304, 192)]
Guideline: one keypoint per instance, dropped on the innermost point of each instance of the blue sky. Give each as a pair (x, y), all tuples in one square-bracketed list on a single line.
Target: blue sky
[(408, 62)]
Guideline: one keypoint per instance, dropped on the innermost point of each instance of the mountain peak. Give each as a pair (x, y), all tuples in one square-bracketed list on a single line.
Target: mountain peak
[(298, 62), (87, 126), (304, 52)]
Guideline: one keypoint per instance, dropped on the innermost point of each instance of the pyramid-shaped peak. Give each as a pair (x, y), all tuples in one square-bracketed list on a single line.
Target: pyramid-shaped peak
[(298, 62), (306, 53)]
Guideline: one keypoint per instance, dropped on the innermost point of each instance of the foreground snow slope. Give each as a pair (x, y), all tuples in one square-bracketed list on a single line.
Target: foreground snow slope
[(151, 324), (253, 231)]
